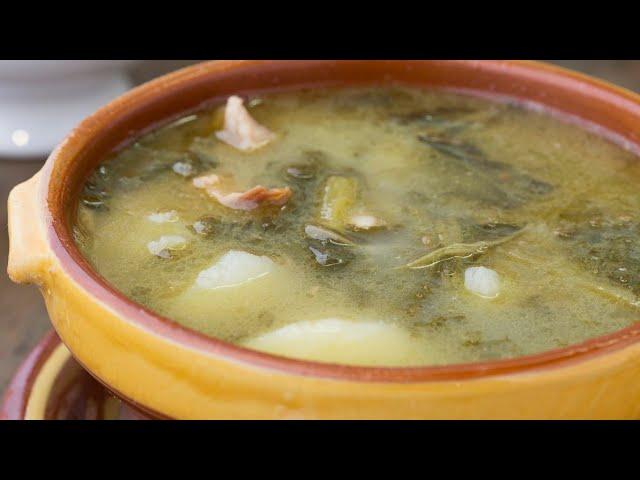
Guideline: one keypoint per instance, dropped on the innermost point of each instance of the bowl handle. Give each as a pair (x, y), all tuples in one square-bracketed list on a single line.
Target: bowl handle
[(28, 250)]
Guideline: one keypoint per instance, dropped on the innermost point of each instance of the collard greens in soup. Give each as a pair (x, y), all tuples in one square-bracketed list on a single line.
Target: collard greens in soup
[(372, 226)]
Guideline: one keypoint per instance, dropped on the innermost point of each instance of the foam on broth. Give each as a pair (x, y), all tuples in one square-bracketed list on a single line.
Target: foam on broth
[(555, 206)]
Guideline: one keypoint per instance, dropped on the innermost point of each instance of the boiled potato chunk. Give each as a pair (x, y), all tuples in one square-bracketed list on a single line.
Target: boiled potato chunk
[(234, 268), (235, 295), (482, 281), (335, 340)]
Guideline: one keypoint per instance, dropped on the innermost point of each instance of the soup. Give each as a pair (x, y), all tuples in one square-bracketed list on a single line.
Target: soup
[(389, 226)]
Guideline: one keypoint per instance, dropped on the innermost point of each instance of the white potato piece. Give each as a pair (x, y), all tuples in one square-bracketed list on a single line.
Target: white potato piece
[(182, 168), (233, 269), (482, 281), (349, 342), (232, 297), (241, 131), (163, 217), (206, 181), (366, 222), (162, 247)]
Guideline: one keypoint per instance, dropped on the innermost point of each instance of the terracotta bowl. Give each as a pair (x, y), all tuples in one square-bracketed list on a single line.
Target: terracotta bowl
[(172, 371)]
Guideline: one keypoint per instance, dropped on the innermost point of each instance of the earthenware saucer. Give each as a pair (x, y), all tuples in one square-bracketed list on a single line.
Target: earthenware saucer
[(51, 385)]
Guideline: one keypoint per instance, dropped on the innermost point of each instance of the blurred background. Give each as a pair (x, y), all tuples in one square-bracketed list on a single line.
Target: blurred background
[(37, 107)]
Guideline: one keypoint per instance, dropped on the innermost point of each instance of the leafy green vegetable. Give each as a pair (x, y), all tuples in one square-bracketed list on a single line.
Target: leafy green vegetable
[(511, 185), (489, 231), (329, 255), (449, 119), (308, 167), (326, 235), (96, 189), (339, 196), (604, 244), (460, 250)]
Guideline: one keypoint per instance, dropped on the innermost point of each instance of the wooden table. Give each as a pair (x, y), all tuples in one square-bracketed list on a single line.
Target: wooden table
[(24, 318)]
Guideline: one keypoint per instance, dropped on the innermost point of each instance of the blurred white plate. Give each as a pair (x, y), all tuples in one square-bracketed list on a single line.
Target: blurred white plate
[(42, 100)]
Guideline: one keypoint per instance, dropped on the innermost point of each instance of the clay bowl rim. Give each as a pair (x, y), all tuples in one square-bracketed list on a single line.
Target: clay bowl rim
[(83, 137)]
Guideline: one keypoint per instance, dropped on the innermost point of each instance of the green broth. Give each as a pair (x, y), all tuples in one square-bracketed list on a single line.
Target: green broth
[(553, 206)]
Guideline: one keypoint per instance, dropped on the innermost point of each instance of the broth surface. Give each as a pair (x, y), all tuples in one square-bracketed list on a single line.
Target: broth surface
[(457, 182)]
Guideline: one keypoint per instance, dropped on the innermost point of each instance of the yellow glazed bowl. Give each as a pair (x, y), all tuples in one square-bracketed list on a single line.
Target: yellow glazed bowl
[(170, 371)]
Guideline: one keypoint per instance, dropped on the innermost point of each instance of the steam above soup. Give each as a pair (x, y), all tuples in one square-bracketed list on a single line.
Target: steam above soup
[(372, 226)]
